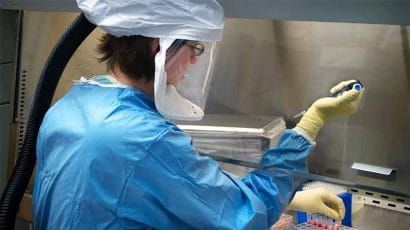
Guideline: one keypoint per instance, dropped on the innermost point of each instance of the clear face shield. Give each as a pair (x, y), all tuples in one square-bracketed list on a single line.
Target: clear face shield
[(182, 78)]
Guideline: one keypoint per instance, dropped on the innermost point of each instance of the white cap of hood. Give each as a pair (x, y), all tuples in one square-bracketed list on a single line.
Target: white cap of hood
[(201, 20)]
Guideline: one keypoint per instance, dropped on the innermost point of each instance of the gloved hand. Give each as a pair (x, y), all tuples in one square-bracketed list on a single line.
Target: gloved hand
[(318, 200), (329, 107)]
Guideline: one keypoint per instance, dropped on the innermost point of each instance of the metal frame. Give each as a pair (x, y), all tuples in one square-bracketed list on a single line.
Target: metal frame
[(356, 11), (381, 200)]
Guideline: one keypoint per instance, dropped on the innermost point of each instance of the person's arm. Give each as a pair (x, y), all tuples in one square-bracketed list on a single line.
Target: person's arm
[(175, 184), (293, 144), (274, 188), (322, 110), (327, 108)]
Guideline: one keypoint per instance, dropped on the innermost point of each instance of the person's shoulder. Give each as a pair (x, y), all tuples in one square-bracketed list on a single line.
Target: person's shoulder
[(150, 126), (172, 137), (164, 127)]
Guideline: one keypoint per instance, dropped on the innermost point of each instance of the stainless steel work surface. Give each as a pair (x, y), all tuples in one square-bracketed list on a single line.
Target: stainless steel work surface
[(374, 218), (257, 122)]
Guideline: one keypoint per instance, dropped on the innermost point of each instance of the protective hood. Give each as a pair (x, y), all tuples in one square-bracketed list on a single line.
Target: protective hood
[(168, 20)]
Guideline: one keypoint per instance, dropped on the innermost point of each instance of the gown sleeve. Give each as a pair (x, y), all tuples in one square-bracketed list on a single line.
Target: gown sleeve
[(182, 188)]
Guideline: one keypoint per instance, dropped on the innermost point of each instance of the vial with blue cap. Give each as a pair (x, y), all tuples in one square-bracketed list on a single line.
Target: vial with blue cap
[(357, 85)]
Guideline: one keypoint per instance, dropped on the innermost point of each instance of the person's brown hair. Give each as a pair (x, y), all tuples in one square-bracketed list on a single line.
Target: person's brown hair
[(132, 54)]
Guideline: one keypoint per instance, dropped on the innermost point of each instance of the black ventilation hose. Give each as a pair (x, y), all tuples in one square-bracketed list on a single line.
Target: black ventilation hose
[(72, 38)]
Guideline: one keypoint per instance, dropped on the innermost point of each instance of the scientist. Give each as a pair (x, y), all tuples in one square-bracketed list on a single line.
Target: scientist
[(110, 158)]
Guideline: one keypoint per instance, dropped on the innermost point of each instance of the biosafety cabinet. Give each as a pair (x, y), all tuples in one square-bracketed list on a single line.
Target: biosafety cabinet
[(275, 59)]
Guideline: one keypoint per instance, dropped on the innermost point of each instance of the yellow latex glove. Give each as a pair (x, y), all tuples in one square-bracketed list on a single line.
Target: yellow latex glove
[(318, 200), (329, 107)]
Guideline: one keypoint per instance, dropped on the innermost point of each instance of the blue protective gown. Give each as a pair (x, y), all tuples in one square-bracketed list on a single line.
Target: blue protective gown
[(108, 160)]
